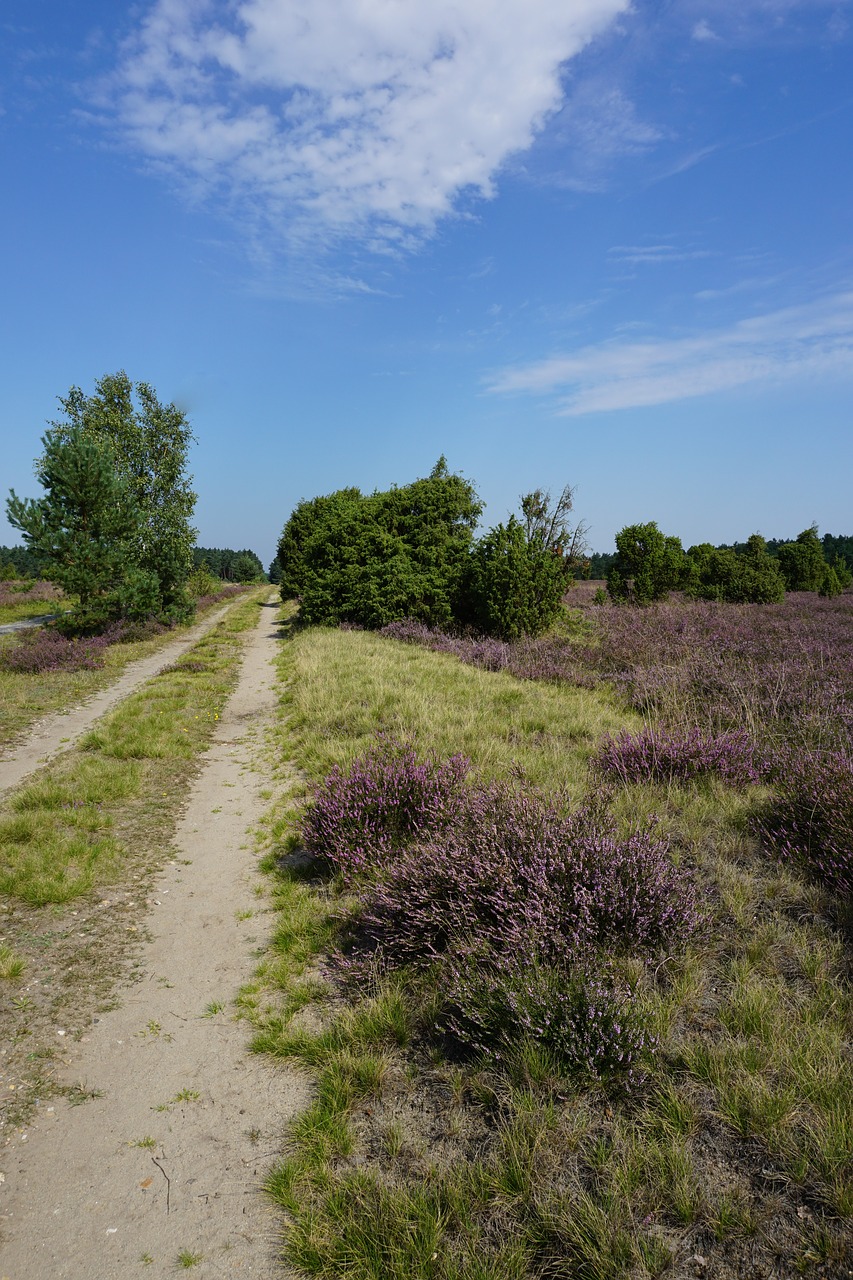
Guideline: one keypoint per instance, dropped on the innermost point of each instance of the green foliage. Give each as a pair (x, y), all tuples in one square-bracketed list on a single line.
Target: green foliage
[(516, 582), (599, 564), (842, 572), (370, 560), (802, 562), (23, 562), (223, 563), (274, 571), (749, 575), (247, 568), (654, 562), (838, 551), (85, 529), (202, 582), (307, 520), (8, 572), (546, 524), (830, 584), (147, 443)]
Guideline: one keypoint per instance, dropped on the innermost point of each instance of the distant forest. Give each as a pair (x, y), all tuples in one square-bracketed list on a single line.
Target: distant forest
[(232, 566), (833, 545)]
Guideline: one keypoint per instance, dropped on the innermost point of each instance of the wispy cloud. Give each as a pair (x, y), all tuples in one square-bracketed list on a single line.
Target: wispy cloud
[(815, 339), (342, 117), (598, 127), (653, 254)]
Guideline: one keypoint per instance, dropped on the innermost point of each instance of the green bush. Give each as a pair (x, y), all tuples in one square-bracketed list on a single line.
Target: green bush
[(749, 576), (371, 560), (515, 586), (802, 562), (830, 583), (653, 562)]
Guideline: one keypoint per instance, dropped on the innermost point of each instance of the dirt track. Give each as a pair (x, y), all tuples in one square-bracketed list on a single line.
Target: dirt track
[(58, 732), (170, 1153)]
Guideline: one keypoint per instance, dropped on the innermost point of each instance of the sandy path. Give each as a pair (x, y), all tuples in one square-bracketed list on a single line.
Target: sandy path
[(81, 1198), (55, 733)]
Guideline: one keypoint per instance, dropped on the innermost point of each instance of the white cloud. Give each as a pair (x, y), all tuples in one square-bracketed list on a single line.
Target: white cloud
[(812, 340), (703, 31), (348, 116)]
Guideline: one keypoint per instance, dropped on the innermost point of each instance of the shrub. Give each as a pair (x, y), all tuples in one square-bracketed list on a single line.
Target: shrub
[(385, 800), (656, 755), (515, 585), (750, 576), (653, 561), (393, 554), (802, 561), (48, 650), (589, 1027), (811, 822), (519, 878), (202, 582), (830, 583)]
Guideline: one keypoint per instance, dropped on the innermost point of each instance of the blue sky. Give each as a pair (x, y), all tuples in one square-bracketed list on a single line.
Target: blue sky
[(558, 241)]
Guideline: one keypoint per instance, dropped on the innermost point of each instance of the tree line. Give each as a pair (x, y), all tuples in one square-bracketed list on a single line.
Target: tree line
[(648, 564), (835, 547), (230, 566)]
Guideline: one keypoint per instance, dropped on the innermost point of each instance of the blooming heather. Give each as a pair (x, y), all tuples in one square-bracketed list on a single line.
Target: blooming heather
[(659, 755), (519, 878), (387, 799), (810, 823)]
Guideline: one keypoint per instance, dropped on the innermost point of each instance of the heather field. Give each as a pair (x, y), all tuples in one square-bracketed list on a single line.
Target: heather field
[(564, 938)]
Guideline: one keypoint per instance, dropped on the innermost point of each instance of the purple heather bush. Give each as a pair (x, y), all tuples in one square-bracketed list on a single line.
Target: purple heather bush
[(810, 823), (49, 650), (660, 755), (520, 878), (384, 801), (588, 1026), (518, 906)]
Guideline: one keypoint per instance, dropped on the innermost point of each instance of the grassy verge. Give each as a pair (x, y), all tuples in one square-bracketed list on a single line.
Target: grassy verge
[(89, 832), (23, 599), (734, 1158), (348, 685), (25, 698)]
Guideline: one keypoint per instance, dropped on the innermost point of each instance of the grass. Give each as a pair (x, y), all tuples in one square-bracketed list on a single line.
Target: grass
[(11, 964), (23, 598), (26, 698), (186, 1259), (64, 832), (411, 1163), (351, 684)]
